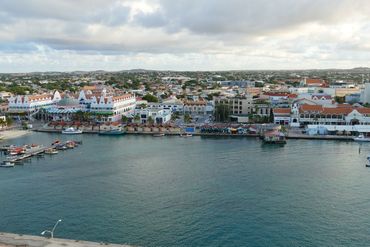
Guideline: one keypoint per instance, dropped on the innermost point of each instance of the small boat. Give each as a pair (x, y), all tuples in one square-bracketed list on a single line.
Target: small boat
[(186, 135), (274, 137), (70, 144), (71, 131), (112, 132), (361, 138), (159, 135), (7, 164), (61, 147), (51, 151)]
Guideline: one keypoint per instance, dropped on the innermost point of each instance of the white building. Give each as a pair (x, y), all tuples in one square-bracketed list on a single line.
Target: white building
[(32, 103), (158, 116), (174, 105), (108, 108)]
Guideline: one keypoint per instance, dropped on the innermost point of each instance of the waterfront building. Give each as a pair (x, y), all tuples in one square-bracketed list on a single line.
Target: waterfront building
[(239, 105), (107, 107), (154, 115), (64, 110), (343, 117), (172, 104), (282, 116), (200, 107), (32, 103)]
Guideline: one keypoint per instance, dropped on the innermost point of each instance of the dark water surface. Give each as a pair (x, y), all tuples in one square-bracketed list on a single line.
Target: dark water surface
[(195, 191)]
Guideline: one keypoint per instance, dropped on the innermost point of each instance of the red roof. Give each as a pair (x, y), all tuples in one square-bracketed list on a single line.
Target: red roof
[(344, 109), (282, 111)]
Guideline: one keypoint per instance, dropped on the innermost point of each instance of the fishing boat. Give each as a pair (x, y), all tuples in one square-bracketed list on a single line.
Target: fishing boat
[(185, 135), (361, 138), (7, 164), (159, 135), (274, 137), (51, 151), (71, 131), (112, 132)]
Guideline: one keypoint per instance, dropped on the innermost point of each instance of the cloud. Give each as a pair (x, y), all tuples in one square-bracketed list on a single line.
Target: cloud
[(185, 34)]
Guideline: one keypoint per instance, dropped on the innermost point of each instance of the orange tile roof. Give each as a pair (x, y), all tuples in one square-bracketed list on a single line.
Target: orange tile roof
[(281, 111), (342, 109)]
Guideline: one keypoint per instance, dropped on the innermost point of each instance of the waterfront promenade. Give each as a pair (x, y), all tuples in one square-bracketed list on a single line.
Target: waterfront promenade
[(10, 240), (290, 135)]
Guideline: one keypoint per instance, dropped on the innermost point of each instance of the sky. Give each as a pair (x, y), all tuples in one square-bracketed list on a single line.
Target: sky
[(69, 35)]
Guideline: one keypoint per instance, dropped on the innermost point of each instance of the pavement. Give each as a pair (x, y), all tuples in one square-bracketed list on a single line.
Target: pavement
[(18, 240)]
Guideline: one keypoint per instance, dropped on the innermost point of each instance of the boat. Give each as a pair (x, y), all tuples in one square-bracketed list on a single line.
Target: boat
[(60, 147), (274, 137), (32, 149), (361, 138), (70, 144), (7, 164), (368, 161), (159, 135), (186, 135), (71, 131), (51, 151), (112, 132)]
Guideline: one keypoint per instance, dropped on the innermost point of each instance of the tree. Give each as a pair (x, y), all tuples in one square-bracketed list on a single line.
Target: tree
[(150, 120), (339, 100), (222, 113), (187, 118), (174, 116), (150, 98), (137, 118), (124, 119), (9, 121)]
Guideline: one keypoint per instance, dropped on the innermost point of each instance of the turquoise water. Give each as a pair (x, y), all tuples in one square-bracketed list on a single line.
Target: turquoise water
[(195, 191)]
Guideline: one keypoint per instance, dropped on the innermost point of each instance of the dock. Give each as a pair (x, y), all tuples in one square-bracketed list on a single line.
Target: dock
[(27, 155)]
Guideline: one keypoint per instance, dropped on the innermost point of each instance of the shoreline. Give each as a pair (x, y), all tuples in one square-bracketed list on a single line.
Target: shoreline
[(13, 133), (288, 136)]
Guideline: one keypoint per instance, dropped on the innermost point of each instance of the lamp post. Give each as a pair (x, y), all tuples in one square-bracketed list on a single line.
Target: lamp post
[(52, 230)]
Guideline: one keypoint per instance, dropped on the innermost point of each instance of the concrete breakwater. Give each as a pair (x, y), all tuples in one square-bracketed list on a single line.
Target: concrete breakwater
[(12, 240)]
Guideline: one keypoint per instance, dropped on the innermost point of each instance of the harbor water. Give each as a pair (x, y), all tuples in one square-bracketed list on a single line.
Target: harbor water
[(198, 191)]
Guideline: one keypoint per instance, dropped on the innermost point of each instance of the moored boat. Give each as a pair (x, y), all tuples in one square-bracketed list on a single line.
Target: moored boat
[(7, 164), (274, 137), (71, 131), (186, 135), (51, 151), (159, 135), (361, 138)]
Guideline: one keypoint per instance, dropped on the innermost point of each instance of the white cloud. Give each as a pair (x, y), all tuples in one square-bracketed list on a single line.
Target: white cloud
[(183, 34)]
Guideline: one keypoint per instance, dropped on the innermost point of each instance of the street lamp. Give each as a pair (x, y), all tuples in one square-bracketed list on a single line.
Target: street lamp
[(52, 231)]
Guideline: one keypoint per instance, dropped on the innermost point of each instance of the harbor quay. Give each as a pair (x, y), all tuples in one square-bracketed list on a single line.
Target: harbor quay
[(13, 240), (289, 134)]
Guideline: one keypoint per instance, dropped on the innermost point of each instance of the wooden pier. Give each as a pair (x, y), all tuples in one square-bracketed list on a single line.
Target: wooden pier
[(16, 159)]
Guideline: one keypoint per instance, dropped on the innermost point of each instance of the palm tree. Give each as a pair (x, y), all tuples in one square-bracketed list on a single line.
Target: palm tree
[(187, 118), (137, 118), (150, 120)]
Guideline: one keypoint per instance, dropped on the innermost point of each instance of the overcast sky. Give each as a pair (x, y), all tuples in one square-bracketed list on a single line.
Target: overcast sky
[(67, 35)]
